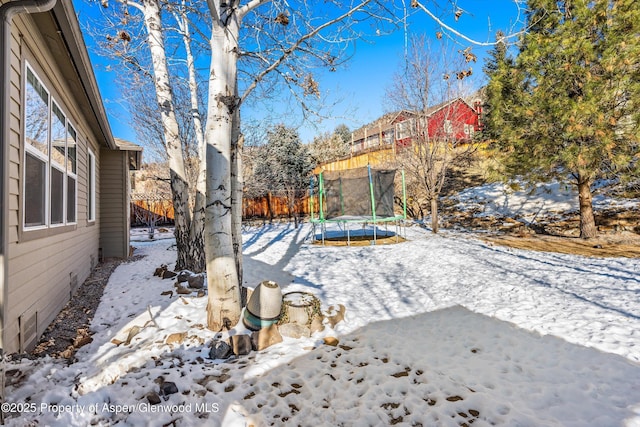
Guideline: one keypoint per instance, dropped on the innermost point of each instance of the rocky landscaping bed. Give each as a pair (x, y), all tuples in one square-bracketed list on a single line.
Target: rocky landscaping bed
[(70, 329)]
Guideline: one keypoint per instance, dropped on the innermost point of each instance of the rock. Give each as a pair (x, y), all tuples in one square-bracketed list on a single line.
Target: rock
[(153, 398), (241, 344), (176, 338), (182, 290), (170, 293), (196, 281), (68, 353), (220, 350), (183, 276), (82, 341), (168, 387), (160, 270), (167, 274), (265, 337), (316, 324), (332, 341), (293, 330), (201, 293), (135, 330)]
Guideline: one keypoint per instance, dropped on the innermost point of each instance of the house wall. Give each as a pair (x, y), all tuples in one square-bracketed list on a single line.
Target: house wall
[(459, 113), (45, 265), (114, 173)]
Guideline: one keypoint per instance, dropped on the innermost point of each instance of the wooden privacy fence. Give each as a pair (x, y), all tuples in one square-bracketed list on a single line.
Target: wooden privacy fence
[(270, 206), (160, 211), (149, 211)]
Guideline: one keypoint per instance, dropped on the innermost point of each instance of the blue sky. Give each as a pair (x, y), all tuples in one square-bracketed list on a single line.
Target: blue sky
[(360, 85)]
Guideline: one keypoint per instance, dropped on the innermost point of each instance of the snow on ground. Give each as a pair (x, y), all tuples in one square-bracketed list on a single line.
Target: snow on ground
[(542, 200), (439, 331)]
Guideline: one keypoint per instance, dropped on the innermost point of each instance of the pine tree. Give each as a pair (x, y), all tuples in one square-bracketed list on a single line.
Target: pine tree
[(577, 85), (501, 93)]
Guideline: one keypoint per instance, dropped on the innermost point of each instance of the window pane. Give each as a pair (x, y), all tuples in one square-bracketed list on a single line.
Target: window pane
[(57, 196), (58, 135), (72, 138), (36, 113), (34, 192), (71, 199)]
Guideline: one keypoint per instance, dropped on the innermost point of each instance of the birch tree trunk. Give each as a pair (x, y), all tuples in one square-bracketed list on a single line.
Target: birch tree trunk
[(237, 185), (196, 231), (164, 95), (223, 308)]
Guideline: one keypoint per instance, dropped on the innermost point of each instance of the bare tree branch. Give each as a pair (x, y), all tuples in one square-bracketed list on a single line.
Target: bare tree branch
[(290, 50), (461, 35)]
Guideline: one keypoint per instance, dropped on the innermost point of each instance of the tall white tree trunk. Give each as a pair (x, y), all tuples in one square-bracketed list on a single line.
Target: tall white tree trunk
[(237, 185), (164, 95), (196, 232), (223, 308)]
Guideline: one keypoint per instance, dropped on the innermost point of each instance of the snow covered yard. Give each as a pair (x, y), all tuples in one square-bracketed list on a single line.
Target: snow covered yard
[(440, 330)]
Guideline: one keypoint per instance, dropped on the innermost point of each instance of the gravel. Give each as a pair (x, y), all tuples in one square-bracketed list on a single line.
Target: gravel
[(70, 329)]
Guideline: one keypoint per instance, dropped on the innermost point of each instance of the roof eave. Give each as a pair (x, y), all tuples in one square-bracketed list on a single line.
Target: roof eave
[(65, 16)]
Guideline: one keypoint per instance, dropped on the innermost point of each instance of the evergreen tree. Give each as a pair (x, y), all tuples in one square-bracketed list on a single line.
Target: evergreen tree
[(501, 93), (284, 165), (576, 87)]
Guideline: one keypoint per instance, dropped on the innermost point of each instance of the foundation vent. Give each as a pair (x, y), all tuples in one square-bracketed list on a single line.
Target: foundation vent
[(28, 323), (73, 283)]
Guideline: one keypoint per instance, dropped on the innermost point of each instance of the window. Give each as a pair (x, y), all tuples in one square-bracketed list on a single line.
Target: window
[(405, 129), (447, 127), (50, 175), (58, 154), (468, 130), (91, 187)]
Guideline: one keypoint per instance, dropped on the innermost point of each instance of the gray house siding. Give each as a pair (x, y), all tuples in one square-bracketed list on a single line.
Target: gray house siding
[(47, 263), (114, 208)]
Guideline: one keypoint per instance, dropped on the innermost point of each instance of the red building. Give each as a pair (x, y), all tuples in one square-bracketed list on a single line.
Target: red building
[(456, 120)]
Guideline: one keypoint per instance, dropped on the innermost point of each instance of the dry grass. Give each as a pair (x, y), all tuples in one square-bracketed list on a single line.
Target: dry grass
[(625, 245)]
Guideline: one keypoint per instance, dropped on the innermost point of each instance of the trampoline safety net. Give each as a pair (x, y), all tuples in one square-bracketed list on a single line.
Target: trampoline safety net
[(349, 193)]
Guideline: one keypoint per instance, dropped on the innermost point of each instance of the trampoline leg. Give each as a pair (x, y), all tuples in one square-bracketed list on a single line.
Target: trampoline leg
[(323, 231), (375, 236)]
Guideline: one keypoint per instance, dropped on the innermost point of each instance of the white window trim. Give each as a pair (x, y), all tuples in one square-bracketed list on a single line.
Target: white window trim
[(30, 149), (91, 197), (38, 154), (64, 199), (49, 162), (72, 175)]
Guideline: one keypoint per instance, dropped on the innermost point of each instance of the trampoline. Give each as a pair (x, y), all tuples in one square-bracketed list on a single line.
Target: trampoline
[(362, 196)]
